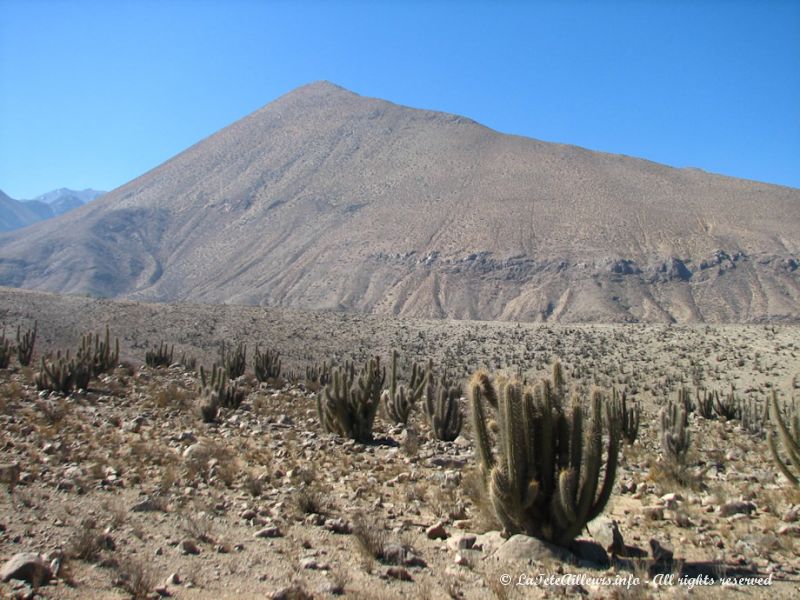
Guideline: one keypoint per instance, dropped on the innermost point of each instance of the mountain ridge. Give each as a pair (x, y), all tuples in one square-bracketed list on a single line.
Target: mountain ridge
[(327, 199)]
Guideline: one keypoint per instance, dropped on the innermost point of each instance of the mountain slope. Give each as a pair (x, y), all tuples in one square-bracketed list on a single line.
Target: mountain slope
[(326, 199), (16, 214)]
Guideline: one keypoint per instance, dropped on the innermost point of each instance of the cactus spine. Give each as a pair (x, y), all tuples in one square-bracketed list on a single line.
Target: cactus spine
[(442, 409), (790, 439), (25, 344), (266, 365), (349, 409), (400, 400), (543, 473)]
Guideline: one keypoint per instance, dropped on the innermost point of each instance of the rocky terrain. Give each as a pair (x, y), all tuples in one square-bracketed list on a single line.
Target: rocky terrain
[(124, 491), (324, 199)]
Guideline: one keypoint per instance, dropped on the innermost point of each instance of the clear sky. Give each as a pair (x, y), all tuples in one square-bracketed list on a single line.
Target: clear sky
[(93, 94)]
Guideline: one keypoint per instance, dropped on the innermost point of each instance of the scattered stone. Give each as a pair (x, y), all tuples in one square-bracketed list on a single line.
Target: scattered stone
[(268, 532), (791, 515), (789, 530), (173, 579), (146, 505), (398, 573), (737, 508), (489, 542), (530, 550), (292, 592), (653, 513), (437, 532), (27, 566), (189, 546), (312, 564), (462, 542), (338, 526)]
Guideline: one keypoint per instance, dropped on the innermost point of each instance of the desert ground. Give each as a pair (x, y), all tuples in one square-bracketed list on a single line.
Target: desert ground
[(126, 492)]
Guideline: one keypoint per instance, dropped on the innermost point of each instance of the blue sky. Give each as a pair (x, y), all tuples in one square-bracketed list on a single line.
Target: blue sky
[(93, 94)]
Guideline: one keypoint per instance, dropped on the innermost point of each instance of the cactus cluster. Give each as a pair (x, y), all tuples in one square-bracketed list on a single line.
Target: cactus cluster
[(628, 417), (727, 406), (675, 432), (319, 374), (705, 404), (543, 468), (267, 365), (25, 344), (64, 374), (399, 400), (159, 357), (789, 435), (233, 361), (217, 392), (347, 406), (5, 350), (442, 408)]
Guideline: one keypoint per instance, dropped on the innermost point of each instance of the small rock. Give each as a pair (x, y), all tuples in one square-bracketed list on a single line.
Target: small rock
[(26, 566), (789, 530), (462, 542), (189, 546), (489, 541), (338, 526), (737, 508), (163, 591), (437, 532), (146, 505), (398, 573), (174, 579), (293, 592), (529, 550), (654, 513), (268, 532), (791, 515), (312, 564)]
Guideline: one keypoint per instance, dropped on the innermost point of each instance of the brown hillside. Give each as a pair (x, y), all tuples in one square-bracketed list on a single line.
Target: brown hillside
[(326, 199)]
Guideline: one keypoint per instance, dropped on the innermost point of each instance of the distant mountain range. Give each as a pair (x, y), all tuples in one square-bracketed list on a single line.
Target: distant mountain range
[(15, 214), (325, 199)]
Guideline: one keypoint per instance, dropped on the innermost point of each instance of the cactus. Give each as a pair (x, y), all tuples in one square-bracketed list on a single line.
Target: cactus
[(705, 404), (543, 472), (628, 417), (320, 374), (25, 344), (63, 374), (233, 361), (219, 390), (685, 399), (5, 351), (752, 416), (442, 409), (98, 356), (789, 435), (159, 357), (399, 400), (728, 407), (349, 409), (267, 365), (675, 432)]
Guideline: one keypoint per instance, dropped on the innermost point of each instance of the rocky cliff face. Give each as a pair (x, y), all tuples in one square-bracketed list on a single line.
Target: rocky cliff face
[(326, 199)]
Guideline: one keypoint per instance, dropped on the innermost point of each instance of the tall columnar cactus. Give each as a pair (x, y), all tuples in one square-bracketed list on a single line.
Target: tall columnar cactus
[(675, 432), (219, 390), (705, 403), (348, 408), (233, 361), (320, 374), (789, 435), (685, 399), (5, 351), (159, 357), (543, 467), (267, 365), (442, 409), (727, 406), (399, 400), (98, 355), (628, 416), (63, 374), (25, 344)]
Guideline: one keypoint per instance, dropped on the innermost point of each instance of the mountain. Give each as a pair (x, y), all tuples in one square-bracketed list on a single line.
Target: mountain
[(326, 199), (15, 214)]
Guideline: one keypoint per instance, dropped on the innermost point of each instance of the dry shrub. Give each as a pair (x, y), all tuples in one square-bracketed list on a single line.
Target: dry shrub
[(485, 518), (136, 578)]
